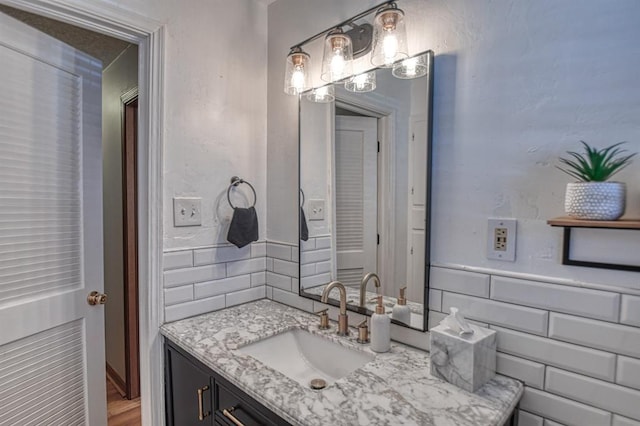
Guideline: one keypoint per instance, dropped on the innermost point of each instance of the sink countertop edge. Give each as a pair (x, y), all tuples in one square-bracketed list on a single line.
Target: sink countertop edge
[(213, 339)]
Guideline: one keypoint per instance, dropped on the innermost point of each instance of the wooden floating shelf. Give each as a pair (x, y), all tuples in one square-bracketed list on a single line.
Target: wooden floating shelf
[(579, 223), (569, 223)]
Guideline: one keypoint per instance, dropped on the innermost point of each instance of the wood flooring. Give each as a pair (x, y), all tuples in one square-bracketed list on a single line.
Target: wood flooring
[(120, 411)]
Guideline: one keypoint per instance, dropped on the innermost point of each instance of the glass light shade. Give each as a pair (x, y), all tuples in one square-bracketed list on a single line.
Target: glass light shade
[(410, 68), (389, 37), (365, 82), (337, 61), (323, 95), (296, 77)]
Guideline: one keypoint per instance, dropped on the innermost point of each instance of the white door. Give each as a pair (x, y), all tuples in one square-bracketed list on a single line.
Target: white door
[(417, 208), (52, 365), (356, 204)]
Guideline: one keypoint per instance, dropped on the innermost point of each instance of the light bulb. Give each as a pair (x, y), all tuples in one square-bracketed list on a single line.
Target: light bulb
[(297, 79), (337, 66), (390, 48), (410, 66), (360, 81)]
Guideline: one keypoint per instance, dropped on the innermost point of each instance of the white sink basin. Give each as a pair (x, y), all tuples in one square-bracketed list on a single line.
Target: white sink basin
[(303, 356)]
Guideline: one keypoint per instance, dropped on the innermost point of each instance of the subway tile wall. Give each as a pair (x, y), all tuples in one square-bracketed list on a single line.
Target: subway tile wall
[(207, 279), (576, 349)]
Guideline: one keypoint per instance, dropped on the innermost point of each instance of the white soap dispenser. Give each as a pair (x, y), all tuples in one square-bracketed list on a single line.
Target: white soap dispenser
[(401, 311), (380, 329)]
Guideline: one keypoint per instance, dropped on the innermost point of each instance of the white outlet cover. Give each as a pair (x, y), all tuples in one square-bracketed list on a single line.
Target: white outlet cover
[(186, 211), (509, 254), (315, 210)]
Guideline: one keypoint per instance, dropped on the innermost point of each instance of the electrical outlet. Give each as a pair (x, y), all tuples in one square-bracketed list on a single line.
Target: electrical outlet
[(186, 212), (501, 239)]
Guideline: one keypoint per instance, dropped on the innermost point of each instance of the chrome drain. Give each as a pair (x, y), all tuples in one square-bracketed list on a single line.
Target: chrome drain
[(317, 384)]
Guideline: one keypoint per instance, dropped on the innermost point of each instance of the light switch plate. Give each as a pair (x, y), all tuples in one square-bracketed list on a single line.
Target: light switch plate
[(315, 209), (186, 211), (501, 239)]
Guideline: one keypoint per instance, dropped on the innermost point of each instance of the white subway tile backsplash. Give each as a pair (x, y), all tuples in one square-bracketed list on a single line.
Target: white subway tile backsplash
[(196, 307), (259, 249), (279, 251), (179, 277), (630, 311), (435, 300), (220, 255), (464, 282), (284, 267), (435, 318), (528, 419), (608, 396), (177, 259), (308, 270), (246, 266), (616, 338), (580, 359), (269, 292), (315, 256), (316, 280), (280, 281), (269, 263), (295, 285), (562, 409), (214, 288), (292, 299), (245, 296), (512, 316), (322, 267), (310, 244), (628, 372), (623, 421), (323, 242), (531, 373), (295, 254), (258, 279), (561, 298), (176, 295)]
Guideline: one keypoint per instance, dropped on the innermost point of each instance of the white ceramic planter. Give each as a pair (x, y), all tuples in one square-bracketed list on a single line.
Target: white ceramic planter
[(595, 200)]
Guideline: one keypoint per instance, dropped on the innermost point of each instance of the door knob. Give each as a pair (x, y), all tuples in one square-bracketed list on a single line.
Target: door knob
[(95, 298)]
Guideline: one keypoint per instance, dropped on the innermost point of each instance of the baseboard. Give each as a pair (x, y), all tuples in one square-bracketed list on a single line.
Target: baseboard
[(116, 381)]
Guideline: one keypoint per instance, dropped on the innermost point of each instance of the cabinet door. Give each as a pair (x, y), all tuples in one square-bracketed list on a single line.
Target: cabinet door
[(189, 391)]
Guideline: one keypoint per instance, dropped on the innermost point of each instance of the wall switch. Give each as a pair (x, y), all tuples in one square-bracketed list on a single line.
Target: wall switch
[(186, 212), (315, 210), (501, 239)]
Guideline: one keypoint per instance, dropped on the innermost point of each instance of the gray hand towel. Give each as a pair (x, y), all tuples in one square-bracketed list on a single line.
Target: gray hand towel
[(244, 226), (304, 229)]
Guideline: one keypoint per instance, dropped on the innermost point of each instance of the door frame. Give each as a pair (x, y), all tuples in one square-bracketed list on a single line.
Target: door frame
[(149, 35), (386, 111)]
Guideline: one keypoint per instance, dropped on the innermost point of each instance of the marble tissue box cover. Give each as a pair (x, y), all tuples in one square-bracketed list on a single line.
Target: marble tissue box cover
[(467, 361)]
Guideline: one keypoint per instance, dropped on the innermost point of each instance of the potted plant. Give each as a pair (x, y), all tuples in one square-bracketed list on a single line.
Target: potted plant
[(593, 197)]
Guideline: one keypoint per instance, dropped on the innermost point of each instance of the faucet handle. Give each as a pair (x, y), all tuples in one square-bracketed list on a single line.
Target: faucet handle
[(363, 332), (324, 319)]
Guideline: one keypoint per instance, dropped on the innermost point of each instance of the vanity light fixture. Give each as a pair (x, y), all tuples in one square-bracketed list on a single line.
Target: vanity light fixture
[(389, 36), (337, 61), (411, 68), (296, 79), (323, 95), (365, 82)]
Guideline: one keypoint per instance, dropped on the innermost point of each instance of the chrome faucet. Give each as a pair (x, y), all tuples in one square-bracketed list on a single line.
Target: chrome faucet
[(363, 286), (343, 319)]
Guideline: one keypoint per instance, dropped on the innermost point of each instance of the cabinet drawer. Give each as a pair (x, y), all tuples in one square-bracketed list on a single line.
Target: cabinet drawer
[(242, 407)]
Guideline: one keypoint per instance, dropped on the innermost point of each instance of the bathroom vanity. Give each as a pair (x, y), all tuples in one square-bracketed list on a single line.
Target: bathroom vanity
[(210, 374)]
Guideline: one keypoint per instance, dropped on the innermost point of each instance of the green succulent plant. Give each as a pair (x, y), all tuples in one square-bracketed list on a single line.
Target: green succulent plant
[(596, 165)]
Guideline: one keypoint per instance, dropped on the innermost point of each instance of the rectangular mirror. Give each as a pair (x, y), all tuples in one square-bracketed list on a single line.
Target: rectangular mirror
[(365, 181)]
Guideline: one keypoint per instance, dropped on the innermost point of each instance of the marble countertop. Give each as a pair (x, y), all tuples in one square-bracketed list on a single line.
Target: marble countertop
[(395, 388)]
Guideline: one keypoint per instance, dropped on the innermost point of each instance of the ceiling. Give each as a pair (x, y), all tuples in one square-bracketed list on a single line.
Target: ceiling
[(99, 46)]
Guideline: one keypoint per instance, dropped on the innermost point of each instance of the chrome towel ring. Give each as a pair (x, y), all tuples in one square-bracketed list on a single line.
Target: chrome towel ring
[(235, 181), (301, 198)]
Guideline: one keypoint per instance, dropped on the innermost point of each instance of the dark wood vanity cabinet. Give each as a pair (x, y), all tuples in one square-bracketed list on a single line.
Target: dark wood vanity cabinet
[(197, 396)]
